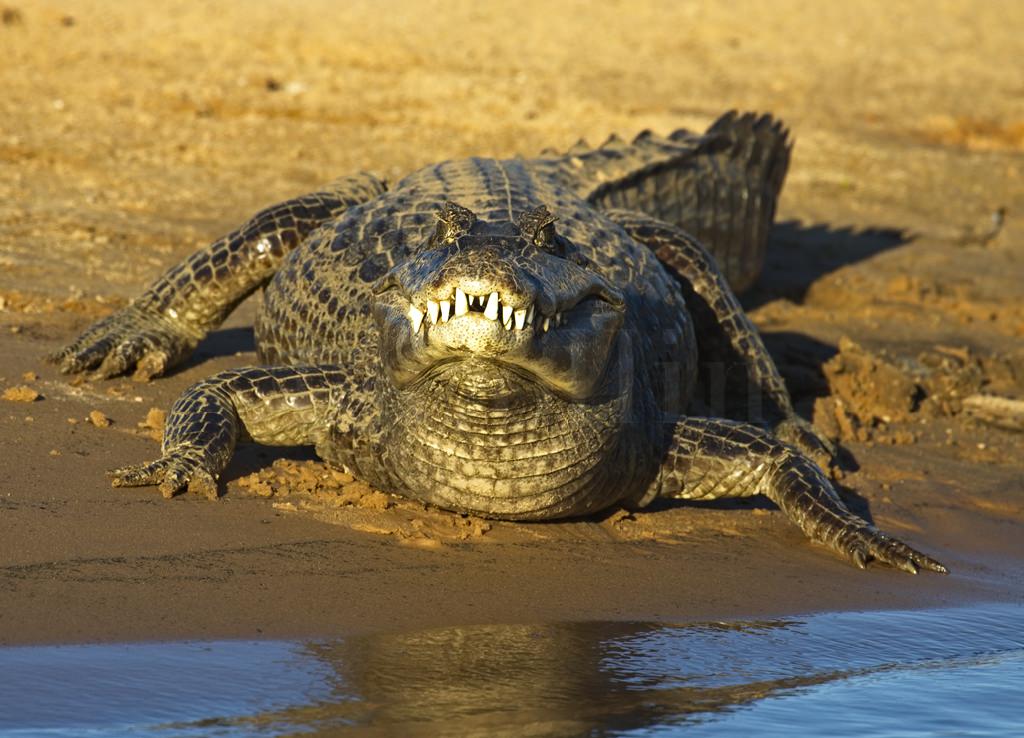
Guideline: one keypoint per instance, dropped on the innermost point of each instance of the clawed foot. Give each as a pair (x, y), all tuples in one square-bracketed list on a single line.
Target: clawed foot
[(130, 338), (866, 543), (171, 473)]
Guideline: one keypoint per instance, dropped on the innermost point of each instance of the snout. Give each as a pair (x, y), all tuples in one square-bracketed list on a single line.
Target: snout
[(479, 273), (544, 315)]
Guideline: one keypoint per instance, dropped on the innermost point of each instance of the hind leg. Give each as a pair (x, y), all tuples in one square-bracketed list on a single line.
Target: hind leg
[(721, 320), (712, 458)]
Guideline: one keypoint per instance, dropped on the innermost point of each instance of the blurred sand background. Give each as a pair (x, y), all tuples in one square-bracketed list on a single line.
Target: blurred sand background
[(133, 133)]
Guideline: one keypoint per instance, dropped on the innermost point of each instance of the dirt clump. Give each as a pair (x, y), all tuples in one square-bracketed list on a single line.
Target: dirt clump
[(871, 386), (21, 393), (99, 419), (152, 426), (868, 391), (874, 396), (336, 496)]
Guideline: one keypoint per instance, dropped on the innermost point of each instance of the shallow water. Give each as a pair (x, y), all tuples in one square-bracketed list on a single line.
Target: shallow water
[(946, 672)]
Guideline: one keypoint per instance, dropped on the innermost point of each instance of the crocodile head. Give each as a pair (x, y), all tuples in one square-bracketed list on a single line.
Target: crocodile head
[(515, 295), (498, 343)]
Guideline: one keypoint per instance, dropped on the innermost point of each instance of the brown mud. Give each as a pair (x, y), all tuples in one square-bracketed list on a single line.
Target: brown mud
[(893, 299)]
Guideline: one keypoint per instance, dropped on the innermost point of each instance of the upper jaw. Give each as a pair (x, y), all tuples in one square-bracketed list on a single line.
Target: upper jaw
[(515, 312), (521, 308)]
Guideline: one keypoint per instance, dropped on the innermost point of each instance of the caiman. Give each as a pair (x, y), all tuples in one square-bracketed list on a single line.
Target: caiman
[(518, 339)]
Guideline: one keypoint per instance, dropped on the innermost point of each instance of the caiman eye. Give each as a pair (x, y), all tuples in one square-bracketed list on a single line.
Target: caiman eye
[(538, 226), (561, 247), (453, 221)]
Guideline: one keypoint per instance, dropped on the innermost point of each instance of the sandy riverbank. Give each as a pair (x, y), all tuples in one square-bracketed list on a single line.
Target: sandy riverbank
[(131, 134)]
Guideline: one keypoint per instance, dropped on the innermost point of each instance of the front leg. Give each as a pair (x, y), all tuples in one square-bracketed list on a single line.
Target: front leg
[(163, 326), (712, 458), (280, 406)]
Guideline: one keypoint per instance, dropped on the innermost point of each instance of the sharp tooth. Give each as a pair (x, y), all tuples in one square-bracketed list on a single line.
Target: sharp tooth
[(461, 307), (446, 310), (432, 308), (529, 316), (491, 311), (520, 319), (558, 319), (416, 318), (508, 324), (546, 325), (506, 313), (472, 300)]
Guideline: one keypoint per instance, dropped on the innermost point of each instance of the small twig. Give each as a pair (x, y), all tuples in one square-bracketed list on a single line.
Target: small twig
[(998, 411)]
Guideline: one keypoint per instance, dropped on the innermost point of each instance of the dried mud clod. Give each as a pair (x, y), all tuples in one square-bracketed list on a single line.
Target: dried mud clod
[(868, 391), (871, 392), (21, 393), (152, 426), (99, 419), (285, 477), (335, 496)]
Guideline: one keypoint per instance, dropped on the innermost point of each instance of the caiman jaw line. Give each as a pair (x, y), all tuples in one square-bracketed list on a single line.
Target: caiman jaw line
[(489, 306)]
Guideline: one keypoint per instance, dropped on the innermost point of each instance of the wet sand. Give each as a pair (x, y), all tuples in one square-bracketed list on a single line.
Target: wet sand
[(892, 299)]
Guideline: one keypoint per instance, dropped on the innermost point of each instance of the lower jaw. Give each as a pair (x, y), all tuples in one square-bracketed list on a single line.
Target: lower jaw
[(481, 438)]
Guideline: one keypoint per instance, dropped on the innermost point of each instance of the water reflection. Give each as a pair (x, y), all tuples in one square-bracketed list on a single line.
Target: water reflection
[(555, 680), (586, 679)]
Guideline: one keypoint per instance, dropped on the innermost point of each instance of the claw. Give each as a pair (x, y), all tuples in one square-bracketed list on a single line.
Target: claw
[(870, 544), (907, 565), (171, 474), (137, 475), (860, 557), (78, 361), (174, 481), (203, 484), (167, 490), (151, 365), (937, 567), (109, 368), (129, 338), (931, 564), (120, 358)]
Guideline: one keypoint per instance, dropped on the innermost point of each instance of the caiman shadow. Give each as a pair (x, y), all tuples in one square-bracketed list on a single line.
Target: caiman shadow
[(798, 255)]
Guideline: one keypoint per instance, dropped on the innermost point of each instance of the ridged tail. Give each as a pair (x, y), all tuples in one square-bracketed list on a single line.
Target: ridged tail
[(721, 186)]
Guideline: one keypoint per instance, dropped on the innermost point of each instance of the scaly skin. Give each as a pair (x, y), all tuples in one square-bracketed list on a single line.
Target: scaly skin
[(163, 326), (508, 338)]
